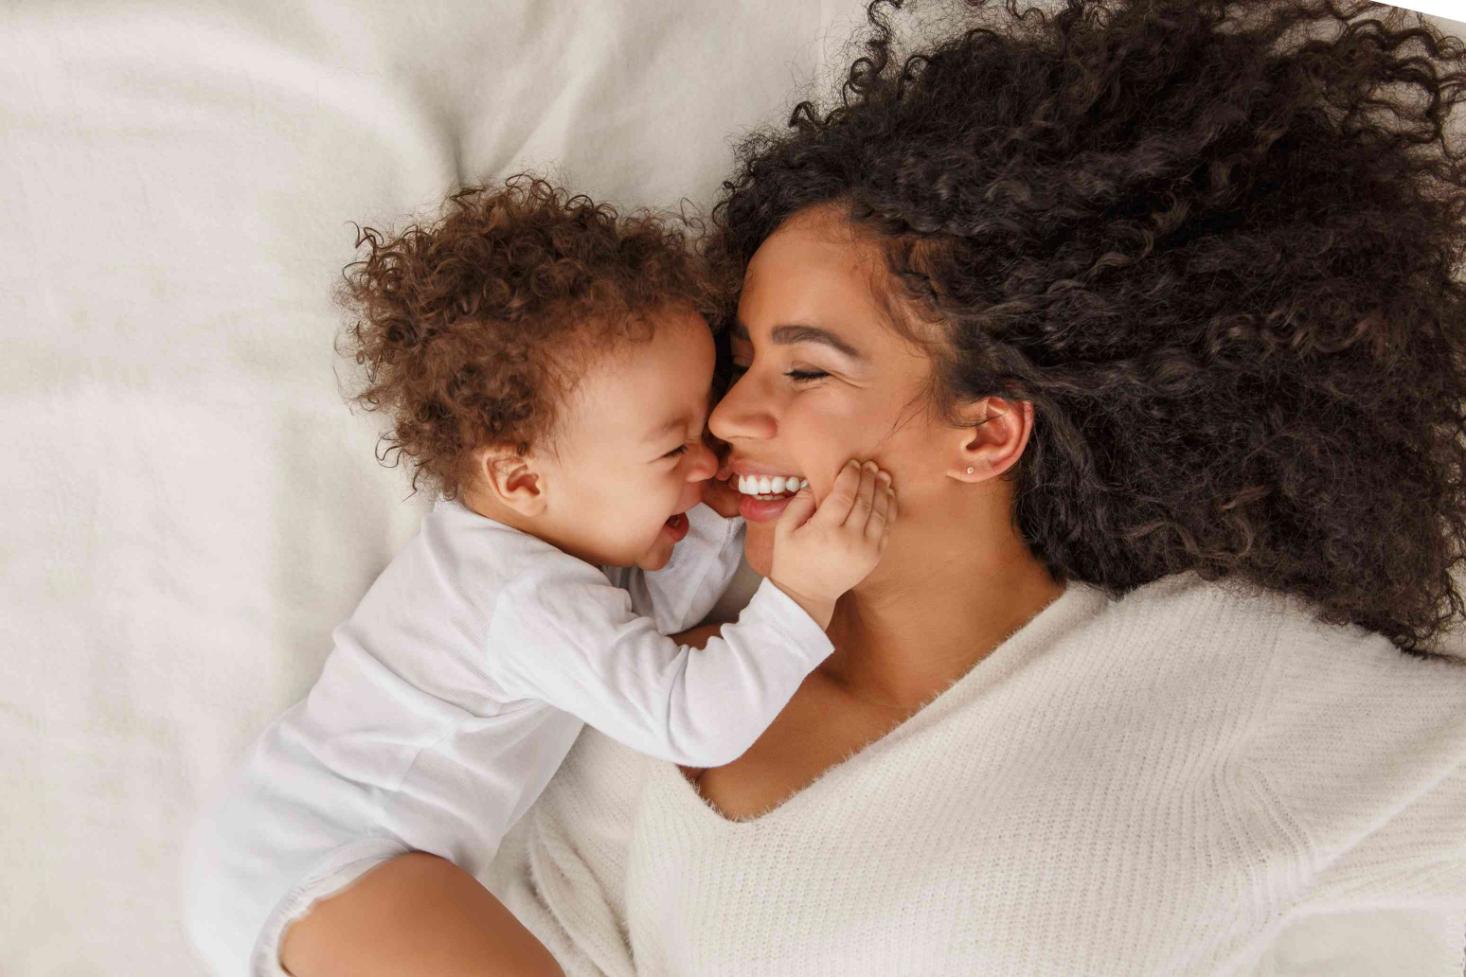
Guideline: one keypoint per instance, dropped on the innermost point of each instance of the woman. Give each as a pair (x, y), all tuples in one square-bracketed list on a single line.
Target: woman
[(1149, 308)]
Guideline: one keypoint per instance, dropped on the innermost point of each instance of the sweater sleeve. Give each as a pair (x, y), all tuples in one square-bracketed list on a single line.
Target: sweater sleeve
[(572, 640), (1365, 749), (1393, 901)]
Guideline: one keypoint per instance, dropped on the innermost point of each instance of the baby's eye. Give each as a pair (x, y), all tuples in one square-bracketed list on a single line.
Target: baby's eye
[(680, 449)]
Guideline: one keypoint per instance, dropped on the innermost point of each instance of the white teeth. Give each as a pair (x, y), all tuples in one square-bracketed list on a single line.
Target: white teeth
[(770, 485)]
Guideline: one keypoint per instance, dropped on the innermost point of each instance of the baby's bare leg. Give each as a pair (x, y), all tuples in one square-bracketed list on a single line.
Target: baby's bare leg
[(414, 915)]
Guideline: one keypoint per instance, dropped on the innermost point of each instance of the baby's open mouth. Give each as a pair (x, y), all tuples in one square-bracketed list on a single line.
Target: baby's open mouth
[(767, 487)]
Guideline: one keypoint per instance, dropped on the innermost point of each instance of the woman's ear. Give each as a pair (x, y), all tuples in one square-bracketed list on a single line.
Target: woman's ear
[(510, 479), (992, 440)]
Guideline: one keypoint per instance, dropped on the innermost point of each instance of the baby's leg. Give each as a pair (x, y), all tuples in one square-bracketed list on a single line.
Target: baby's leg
[(520, 954), (414, 915)]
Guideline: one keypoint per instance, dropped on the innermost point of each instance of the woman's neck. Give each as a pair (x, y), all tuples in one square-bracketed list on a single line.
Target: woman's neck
[(930, 612)]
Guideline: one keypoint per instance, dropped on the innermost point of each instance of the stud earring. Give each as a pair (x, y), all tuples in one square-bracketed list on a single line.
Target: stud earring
[(969, 469)]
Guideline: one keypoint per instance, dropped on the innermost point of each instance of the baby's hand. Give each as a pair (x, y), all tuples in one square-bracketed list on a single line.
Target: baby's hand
[(719, 495), (818, 557)]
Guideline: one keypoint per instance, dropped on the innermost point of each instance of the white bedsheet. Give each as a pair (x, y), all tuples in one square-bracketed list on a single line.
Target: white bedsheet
[(189, 507)]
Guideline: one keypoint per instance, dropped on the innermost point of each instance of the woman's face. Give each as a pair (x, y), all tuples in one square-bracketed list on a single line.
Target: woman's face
[(820, 377)]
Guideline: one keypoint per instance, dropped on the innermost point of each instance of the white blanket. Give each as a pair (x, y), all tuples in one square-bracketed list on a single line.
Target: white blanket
[(189, 508)]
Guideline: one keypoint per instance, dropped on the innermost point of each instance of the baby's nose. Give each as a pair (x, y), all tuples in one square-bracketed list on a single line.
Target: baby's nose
[(704, 466)]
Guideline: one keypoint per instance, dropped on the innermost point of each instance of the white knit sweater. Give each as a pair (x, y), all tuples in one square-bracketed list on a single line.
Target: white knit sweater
[(1196, 779)]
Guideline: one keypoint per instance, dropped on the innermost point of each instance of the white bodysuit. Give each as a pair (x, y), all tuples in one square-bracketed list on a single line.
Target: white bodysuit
[(453, 693)]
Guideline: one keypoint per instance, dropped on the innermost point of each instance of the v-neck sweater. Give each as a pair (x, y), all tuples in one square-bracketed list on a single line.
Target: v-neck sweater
[(1197, 778)]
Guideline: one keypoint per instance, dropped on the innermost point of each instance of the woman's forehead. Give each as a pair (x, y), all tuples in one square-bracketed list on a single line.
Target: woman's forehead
[(806, 273), (816, 270), (821, 236)]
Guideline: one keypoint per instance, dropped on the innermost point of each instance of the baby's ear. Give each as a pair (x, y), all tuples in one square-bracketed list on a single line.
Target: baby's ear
[(508, 478)]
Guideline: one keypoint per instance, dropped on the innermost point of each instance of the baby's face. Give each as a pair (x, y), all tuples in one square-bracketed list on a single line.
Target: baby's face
[(631, 452)]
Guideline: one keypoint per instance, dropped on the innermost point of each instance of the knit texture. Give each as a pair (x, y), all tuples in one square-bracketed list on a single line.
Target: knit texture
[(1198, 778)]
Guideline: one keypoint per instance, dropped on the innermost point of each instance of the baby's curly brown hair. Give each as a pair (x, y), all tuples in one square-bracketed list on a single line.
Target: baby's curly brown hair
[(473, 330), (1216, 244)]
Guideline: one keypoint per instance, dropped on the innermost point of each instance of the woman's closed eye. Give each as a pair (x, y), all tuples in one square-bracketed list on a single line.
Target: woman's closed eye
[(798, 376)]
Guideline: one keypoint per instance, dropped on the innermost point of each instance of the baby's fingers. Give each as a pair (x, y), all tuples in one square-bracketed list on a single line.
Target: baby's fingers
[(837, 505), (795, 514), (864, 497), (883, 511)]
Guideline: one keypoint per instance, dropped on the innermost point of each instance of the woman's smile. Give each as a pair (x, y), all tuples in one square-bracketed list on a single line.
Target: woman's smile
[(766, 486), (763, 491)]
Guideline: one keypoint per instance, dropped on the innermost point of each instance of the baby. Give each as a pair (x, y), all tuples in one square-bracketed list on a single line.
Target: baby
[(548, 372)]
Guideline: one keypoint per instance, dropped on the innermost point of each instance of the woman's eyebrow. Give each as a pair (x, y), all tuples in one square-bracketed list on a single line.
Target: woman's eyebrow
[(788, 335)]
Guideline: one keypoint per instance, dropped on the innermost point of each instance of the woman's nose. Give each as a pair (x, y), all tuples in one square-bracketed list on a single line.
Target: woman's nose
[(740, 415)]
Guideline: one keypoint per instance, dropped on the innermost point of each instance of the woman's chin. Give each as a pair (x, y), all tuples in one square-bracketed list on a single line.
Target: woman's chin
[(758, 547)]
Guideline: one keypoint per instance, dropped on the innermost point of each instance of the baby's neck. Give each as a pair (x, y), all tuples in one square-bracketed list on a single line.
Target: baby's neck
[(478, 501), (484, 503)]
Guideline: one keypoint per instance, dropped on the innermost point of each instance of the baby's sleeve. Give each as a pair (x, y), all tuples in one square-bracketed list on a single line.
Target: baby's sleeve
[(574, 641), (681, 594)]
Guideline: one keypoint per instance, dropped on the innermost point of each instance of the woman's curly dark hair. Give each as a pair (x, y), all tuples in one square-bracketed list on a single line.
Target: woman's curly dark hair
[(473, 330), (1214, 243)]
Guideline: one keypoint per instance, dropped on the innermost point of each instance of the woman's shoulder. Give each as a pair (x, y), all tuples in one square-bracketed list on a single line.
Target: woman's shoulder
[(1301, 690), (1351, 747), (1321, 661), (1340, 678), (1243, 615)]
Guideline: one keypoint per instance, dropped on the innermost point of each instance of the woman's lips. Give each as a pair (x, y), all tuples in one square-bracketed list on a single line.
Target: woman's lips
[(749, 507), (758, 510)]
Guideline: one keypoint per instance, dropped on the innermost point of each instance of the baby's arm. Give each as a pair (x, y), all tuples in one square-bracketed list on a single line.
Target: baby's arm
[(566, 637), (703, 562), (576, 643)]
